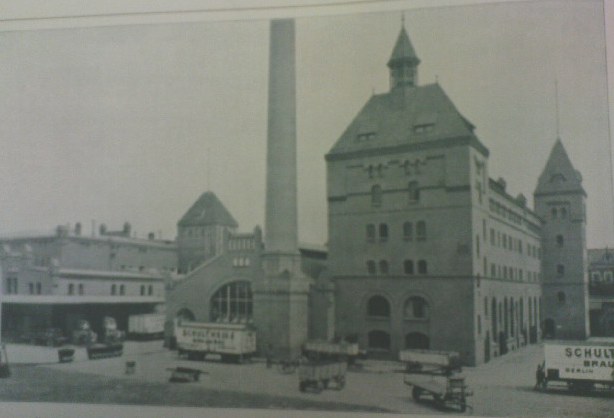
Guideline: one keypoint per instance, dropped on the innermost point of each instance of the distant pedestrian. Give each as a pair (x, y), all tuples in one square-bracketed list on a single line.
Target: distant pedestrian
[(540, 377), (269, 356)]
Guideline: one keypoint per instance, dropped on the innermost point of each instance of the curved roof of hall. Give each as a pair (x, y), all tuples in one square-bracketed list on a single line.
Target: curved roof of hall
[(406, 116)]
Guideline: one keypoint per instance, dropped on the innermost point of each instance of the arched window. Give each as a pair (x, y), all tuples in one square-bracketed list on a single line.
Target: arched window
[(383, 267), (122, 289), (413, 192), (422, 267), (232, 303), (371, 267), (378, 306), (71, 289), (420, 231), (376, 195), (415, 308), (370, 233), (185, 314), (408, 267), (408, 231), (142, 290), (150, 290), (379, 340), (383, 232), (560, 240), (560, 270), (417, 340), (113, 289), (563, 213), (561, 297), (554, 213)]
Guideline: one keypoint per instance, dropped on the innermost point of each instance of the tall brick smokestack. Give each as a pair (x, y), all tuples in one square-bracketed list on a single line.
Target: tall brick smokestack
[(281, 235)]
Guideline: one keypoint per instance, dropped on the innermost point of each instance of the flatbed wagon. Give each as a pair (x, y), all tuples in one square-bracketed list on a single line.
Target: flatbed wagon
[(319, 375), (437, 375)]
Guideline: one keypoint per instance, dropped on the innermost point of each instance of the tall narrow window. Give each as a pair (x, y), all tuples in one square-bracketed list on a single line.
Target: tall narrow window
[(39, 288), (408, 231), (408, 267), (31, 288), (559, 240), (370, 233), (376, 196), (420, 231), (113, 289), (422, 267), (81, 289), (383, 266), (560, 270), (413, 192), (122, 289), (383, 232), (371, 267), (71, 289)]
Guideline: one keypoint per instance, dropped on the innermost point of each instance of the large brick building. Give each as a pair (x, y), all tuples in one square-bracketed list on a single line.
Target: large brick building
[(427, 251)]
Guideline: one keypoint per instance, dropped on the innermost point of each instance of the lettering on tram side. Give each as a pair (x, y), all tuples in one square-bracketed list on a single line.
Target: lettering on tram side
[(581, 362)]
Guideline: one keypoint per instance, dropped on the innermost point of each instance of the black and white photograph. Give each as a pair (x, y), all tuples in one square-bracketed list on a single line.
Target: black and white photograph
[(352, 208)]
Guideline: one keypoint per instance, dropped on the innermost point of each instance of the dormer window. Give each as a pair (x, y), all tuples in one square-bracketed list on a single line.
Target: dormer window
[(365, 137), (422, 129), (425, 122)]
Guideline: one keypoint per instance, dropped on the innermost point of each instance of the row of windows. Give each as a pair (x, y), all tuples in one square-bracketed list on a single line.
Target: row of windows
[(144, 290), (11, 286), (241, 244), (240, 262), (408, 167), (504, 212), (558, 213), (381, 267), (597, 277), (513, 273), (415, 307), (413, 194), (35, 286), (71, 289), (381, 232), (507, 242)]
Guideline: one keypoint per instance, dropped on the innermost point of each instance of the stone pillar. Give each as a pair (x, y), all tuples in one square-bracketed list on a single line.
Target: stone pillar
[(281, 295)]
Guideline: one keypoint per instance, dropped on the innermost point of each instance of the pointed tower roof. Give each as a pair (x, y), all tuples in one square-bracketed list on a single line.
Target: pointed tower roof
[(403, 50), (207, 210), (559, 175)]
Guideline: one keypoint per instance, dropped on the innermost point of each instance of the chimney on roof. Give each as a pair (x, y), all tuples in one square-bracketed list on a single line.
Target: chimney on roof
[(127, 229)]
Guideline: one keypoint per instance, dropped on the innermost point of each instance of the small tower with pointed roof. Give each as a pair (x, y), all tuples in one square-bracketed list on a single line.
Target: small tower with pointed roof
[(403, 62), (560, 202), (202, 231)]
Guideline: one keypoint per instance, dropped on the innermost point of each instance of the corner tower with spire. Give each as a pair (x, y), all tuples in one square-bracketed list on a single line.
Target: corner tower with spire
[(560, 202), (403, 63)]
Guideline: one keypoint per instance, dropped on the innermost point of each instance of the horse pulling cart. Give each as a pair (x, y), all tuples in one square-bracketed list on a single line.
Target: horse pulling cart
[(435, 373)]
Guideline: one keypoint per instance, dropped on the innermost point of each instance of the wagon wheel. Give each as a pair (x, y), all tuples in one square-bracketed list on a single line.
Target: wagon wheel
[(415, 393)]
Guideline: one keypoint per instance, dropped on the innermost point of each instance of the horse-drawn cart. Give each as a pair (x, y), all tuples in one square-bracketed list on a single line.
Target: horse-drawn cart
[(319, 374), (435, 373)]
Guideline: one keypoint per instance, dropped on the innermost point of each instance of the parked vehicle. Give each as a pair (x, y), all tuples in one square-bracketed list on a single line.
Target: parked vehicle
[(234, 342), (437, 374), (83, 334), (111, 334), (146, 326), (324, 363), (343, 350), (581, 365)]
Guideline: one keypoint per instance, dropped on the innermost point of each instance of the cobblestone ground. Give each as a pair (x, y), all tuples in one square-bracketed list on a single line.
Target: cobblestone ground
[(503, 387)]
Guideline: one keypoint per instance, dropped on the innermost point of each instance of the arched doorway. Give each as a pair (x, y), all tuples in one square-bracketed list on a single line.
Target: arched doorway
[(379, 340), (549, 328), (378, 306), (417, 340)]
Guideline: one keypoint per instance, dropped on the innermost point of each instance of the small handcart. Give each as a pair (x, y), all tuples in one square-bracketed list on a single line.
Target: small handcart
[(436, 373)]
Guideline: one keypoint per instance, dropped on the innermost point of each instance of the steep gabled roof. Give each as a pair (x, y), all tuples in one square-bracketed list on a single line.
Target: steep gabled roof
[(559, 175), (403, 50), (207, 210), (414, 115)]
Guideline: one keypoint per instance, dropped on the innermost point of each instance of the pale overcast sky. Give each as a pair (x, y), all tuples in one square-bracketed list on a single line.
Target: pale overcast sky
[(133, 123)]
